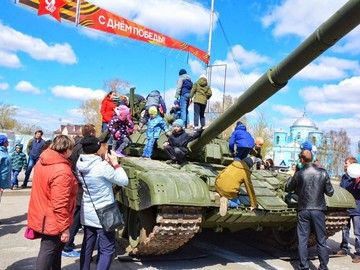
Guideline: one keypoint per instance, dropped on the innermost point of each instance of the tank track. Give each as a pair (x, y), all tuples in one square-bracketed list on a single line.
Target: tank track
[(175, 225), (335, 221)]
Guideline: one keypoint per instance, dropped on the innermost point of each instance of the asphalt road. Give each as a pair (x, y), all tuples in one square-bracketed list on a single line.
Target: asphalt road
[(207, 250)]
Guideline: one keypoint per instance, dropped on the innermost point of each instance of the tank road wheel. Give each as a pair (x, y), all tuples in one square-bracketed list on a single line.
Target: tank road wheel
[(140, 224), (285, 238)]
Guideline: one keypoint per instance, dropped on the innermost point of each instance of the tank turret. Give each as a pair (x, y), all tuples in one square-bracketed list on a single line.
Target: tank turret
[(164, 205)]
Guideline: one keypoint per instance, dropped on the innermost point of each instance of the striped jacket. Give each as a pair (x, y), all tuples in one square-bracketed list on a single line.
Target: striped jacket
[(18, 161)]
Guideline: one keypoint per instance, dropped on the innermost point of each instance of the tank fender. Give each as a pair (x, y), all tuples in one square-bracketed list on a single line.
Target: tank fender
[(175, 188), (341, 199)]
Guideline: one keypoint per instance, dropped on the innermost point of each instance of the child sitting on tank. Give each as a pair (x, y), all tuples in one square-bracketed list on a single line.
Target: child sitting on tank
[(121, 126), (176, 146), (228, 183), (175, 110), (155, 125), (243, 140)]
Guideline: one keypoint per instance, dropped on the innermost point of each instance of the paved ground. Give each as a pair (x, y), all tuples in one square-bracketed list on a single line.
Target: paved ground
[(205, 251)]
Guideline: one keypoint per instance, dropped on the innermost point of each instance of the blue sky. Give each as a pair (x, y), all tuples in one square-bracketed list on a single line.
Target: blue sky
[(48, 68)]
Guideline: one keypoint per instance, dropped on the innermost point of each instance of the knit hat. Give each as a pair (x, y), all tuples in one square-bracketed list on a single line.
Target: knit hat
[(19, 145), (122, 109), (353, 170), (182, 72), (306, 146), (153, 110), (249, 161), (179, 123), (90, 144), (176, 102), (3, 139), (203, 76)]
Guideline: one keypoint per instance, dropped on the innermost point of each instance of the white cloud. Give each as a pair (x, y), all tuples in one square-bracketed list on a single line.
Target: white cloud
[(27, 87), (161, 15), (248, 59), (289, 17), (78, 93), (329, 68), (346, 91), (14, 41), (4, 86), (288, 111), (9, 60)]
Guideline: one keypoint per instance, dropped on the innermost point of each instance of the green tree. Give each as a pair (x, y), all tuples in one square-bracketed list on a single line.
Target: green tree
[(7, 116), (90, 110)]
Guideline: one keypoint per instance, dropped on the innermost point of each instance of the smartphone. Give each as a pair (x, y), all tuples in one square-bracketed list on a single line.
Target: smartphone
[(109, 149)]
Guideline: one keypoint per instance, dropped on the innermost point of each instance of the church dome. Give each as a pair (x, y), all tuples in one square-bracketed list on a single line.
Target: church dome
[(304, 121)]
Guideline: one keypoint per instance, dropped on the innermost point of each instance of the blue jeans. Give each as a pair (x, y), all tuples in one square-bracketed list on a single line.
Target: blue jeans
[(346, 232), (106, 248), (234, 202), (315, 219), (14, 180), (30, 166), (184, 106), (149, 147)]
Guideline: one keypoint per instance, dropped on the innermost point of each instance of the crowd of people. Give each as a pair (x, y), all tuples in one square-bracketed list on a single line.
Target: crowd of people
[(74, 176)]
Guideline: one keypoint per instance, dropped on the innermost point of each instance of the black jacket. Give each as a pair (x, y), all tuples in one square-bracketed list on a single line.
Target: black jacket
[(310, 184), (182, 139)]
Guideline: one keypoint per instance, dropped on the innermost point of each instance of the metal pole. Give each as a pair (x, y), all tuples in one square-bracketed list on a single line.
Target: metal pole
[(210, 35)]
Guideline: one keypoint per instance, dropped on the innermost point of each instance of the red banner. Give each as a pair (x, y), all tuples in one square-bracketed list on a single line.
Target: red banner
[(97, 18), (66, 10)]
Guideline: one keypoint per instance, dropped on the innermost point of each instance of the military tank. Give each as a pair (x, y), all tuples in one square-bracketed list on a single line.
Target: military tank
[(164, 205)]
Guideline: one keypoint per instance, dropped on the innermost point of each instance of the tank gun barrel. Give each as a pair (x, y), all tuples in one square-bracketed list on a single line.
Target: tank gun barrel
[(336, 27)]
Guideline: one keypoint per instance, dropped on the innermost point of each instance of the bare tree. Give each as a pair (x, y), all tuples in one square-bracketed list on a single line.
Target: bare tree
[(27, 129), (333, 151), (262, 129), (217, 108), (7, 113), (117, 85)]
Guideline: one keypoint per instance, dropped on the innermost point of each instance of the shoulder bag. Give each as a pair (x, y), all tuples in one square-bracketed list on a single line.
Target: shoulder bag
[(109, 216)]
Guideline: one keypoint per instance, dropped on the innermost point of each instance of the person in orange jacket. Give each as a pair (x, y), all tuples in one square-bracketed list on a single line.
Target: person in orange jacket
[(52, 201)]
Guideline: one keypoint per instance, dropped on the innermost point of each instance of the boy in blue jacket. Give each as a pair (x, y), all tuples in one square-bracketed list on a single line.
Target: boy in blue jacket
[(155, 125), (243, 140)]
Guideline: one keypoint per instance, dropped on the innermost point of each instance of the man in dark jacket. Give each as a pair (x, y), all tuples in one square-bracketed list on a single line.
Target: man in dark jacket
[(310, 184), (34, 150), (351, 182), (176, 146)]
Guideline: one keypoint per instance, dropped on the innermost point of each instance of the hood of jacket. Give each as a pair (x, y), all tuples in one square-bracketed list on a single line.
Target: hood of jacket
[(86, 162), (49, 157), (202, 82), (240, 126)]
